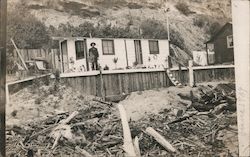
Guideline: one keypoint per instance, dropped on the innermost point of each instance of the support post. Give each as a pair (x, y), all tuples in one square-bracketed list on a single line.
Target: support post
[(102, 84), (169, 63), (180, 73), (126, 52), (191, 73)]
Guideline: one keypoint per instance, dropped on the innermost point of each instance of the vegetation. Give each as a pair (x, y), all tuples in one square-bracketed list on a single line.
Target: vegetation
[(155, 29), (210, 25), (183, 8), (26, 30)]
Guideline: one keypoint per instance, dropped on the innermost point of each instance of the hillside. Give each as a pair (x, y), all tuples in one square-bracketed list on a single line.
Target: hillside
[(195, 21)]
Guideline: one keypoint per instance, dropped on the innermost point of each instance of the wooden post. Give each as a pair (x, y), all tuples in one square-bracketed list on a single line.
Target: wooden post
[(103, 95), (169, 63), (191, 73), (126, 52), (180, 73), (3, 14)]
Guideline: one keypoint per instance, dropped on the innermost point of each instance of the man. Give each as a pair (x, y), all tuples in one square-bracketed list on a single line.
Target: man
[(93, 56)]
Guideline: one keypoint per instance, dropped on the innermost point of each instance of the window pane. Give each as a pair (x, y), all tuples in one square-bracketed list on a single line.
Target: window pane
[(79, 49), (153, 47), (108, 46)]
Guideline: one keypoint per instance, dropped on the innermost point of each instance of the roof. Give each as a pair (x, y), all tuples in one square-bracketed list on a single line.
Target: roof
[(81, 38), (219, 32)]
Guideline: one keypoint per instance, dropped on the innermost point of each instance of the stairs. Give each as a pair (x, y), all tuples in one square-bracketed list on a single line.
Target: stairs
[(172, 78)]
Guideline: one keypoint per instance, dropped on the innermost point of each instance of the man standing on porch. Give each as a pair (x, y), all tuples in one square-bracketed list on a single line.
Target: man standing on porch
[(93, 56)]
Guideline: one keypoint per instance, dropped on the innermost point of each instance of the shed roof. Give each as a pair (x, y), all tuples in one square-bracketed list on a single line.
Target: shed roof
[(228, 24)]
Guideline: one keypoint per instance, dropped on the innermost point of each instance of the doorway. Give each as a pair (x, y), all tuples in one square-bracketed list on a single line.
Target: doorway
[(138, 52)]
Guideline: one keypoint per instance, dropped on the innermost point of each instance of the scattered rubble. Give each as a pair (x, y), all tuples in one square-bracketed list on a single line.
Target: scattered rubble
[(197, 122)]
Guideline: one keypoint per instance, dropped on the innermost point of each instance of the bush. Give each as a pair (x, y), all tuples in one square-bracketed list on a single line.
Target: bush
[(177, 39), (213, 28), (199, 22), (26, 30), (153, 29), (183, 8)]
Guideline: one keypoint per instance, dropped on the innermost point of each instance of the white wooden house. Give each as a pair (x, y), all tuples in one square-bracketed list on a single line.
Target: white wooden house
[(129, 52)]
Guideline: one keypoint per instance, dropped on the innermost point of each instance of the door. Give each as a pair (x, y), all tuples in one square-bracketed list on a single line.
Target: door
[(138, 52), (64, 50)]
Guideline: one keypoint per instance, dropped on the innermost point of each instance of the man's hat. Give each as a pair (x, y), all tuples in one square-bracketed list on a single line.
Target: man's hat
[(92, 44)]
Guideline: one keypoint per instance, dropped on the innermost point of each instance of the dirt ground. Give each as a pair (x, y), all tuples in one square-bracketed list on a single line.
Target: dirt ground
[(40, 102)]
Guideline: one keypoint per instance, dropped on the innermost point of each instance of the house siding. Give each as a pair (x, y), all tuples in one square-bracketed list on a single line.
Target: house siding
[(222, 53), (156, 60)]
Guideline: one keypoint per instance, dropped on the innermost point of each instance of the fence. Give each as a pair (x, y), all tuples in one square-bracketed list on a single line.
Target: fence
[(116, 82), (110, 83), (127, 81), (48, 55), (205, 74)]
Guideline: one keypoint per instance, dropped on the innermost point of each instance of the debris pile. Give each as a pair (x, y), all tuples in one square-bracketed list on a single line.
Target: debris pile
[(94, 128)]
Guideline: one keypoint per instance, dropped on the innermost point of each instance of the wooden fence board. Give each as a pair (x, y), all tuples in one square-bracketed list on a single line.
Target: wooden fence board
[(118, 83)]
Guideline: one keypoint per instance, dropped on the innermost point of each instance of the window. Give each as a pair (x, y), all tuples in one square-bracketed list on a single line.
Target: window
[(79, 49), (230, 42), (108, 47), (153, 47)]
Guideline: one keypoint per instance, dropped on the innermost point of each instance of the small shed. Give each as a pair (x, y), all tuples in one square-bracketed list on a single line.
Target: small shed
[(222, 45), (128, 53)]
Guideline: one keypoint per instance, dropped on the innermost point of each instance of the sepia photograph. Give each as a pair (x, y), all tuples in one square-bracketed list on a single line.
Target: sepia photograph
[(135, 78)]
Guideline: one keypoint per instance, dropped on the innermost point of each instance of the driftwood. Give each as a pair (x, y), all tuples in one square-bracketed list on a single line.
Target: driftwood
[(184, 117), (220, 108), (128, 143), (137, 147), (160, 139), (103, 102), (56, 131)]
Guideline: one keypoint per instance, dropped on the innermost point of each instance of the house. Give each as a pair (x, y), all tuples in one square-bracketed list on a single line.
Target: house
[(222, 45), (114, 53)]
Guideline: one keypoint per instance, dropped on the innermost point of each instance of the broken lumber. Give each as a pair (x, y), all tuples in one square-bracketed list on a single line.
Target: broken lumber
[(128, 143), (220, 108), (19, 55), (56, 131), (137, 147), (103, 102), (160, 139)]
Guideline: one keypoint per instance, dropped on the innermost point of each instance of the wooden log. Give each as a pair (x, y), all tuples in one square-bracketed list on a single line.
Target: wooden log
[(220, 108), (128, 143), (61, 123), (160, 139), (103, 102), (137, 147)]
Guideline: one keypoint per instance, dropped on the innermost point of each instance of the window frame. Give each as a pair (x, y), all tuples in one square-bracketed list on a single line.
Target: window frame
[(158, 49), (113, 46), (83, 49), (228, 43)]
